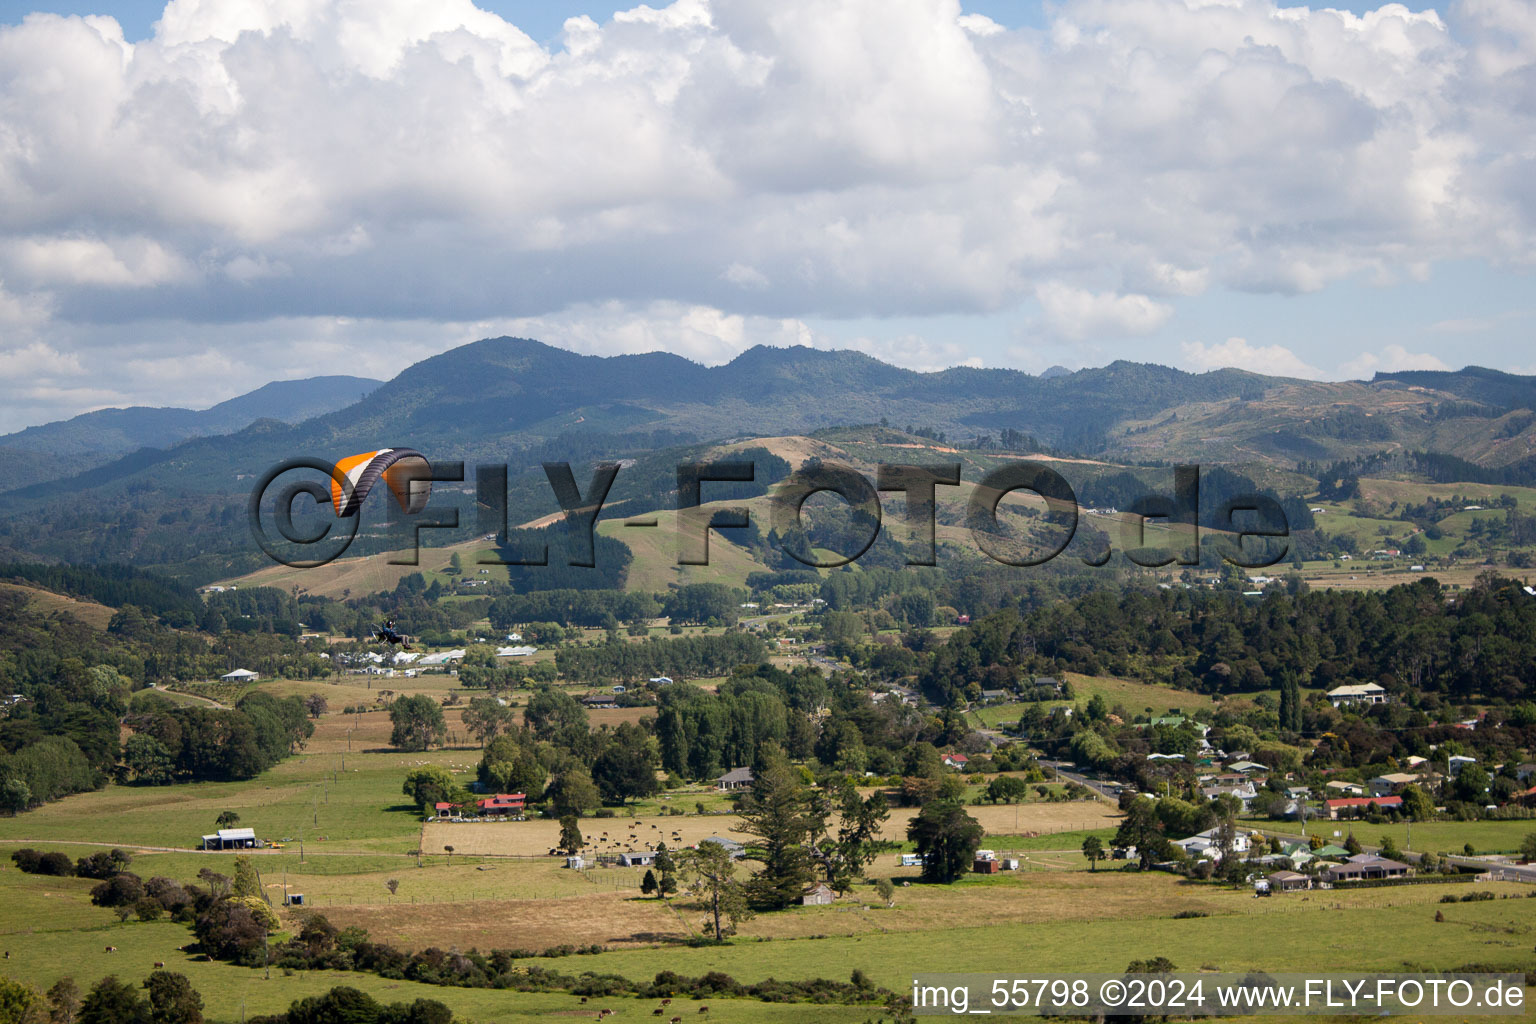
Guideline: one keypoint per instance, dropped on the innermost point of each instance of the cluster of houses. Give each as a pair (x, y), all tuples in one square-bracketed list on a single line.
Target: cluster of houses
[(1296, 866)]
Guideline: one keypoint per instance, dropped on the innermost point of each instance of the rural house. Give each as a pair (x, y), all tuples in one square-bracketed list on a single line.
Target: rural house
[(1288, 881), (818, 896), (1357, 806), (1364, 693), (1392, 782), (1364, 866), (736, 778)]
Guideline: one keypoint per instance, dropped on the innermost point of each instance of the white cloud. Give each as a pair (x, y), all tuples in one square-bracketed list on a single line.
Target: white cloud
[(1078, 313), (428, 166), (1393, 357), (1272, 360), (37, 359), (123, 263)]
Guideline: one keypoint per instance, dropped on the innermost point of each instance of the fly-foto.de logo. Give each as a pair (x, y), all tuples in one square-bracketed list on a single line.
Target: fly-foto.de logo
[(1241, 524)]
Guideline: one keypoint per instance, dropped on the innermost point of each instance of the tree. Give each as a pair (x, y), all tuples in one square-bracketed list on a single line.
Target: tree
[(172, 999), (1352, 844), (886, 889), (1471, 784), (316, 704), (571, 840), (845, 855), (557, 716), (626, 769), (1093, 849), (418, 723), (64, 1001), (19, 1004), (486, 717), (784, 816), (393, 885), (1416, 804), (428, 785), (1006, 789), (15, 795), (1142, 829), (449, 851), (711, 870), (150, 761), (573, 792), (667, 882), (1528, 847), (114, 1002), (247, 883), (947, 838), (648, 884), (227, 819), (1389, 848)]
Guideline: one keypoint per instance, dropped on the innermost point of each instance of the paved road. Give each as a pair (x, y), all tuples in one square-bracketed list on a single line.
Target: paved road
[(1102, 789)]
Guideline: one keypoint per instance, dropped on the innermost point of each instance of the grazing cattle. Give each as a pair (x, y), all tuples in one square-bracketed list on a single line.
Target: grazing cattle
[(676, 1020), (656, 1012), (703, 1009), (583, 998), (666, 1002), (159, 964), (111, 949)]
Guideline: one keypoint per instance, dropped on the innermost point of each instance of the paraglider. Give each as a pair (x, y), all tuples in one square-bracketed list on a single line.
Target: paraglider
[(405, 470), (388, 635)]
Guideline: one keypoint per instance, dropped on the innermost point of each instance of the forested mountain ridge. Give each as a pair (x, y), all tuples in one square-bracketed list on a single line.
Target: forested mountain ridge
[(63, 448), (524, 402)]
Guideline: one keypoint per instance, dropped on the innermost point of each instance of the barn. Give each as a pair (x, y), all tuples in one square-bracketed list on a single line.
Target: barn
[(231, 839)]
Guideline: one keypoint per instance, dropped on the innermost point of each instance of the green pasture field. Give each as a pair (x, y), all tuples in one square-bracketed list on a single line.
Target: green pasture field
[(334, 801), (1385, 932), (1133, 695), (1428, 836)]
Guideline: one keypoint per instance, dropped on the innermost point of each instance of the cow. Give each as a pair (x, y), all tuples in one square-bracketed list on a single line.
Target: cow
[(159, 965), (111, 949)]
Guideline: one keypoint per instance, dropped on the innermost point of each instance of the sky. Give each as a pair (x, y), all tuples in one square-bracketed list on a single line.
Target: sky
[(202, 196)]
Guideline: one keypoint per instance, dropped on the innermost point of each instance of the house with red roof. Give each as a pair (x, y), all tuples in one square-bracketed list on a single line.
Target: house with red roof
[(1357, 805), (503, 805)]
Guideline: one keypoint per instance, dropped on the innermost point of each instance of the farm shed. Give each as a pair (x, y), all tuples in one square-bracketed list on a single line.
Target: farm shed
[(231, 839)]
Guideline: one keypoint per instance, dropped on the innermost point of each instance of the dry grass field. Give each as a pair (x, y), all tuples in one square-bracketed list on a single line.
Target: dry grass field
[(1021, 819), (608, 918), (537, 837), (47, 602)]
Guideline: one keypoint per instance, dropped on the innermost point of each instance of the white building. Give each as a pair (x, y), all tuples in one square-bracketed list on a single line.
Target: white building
[(1364, 693)]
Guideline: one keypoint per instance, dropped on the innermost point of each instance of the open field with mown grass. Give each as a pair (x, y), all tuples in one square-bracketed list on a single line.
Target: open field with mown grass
[(1428, 836), (1135, 696)]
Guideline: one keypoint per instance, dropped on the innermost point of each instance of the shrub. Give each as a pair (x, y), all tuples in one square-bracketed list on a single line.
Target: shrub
[(122, 890), (34, 862)]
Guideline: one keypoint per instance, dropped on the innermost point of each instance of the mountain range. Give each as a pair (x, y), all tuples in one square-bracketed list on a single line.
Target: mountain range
[(67, 447), (522, 402)]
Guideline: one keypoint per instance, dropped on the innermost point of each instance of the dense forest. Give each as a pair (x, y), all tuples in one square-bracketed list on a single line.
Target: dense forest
[(1412, 639)]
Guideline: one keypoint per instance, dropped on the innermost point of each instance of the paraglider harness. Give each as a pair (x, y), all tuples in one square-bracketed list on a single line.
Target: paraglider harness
[(388, 635)]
